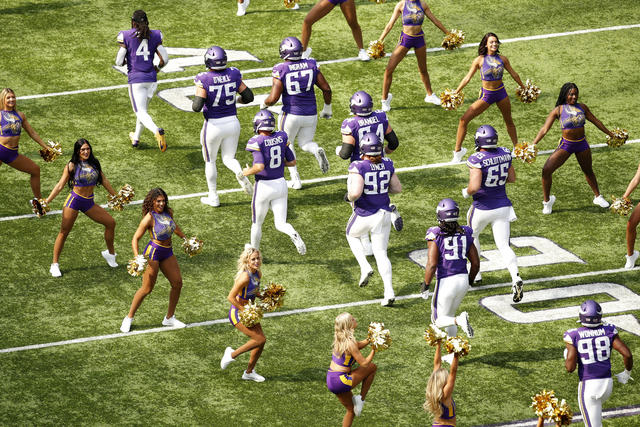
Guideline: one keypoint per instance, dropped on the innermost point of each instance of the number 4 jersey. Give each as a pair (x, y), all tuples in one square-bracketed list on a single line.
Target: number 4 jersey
[(298, 79), (594, 350), (221, 87), (140, 68), (271, 151), (453, 250), (494, 164)]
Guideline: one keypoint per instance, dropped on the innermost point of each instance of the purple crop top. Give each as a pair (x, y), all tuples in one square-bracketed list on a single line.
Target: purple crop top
[(412, 13), (343, 360), (10, 123), (448, 412), (571, 116), (85, 175), (163, 225), (492, 68), (250, 291)]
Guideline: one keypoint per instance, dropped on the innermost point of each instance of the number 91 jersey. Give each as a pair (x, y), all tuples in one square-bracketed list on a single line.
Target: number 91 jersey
[(298, 79), (221, 87), (271, 151), (375, 194), (453, 250), (594, 350), (495, 164)]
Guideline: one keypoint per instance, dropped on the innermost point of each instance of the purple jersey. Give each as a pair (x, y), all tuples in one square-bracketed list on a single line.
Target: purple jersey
[(594, 350), (221, 87), (495, 165), (140, 54), (453, 249), (571, 116), (357, 126), (271, 151), (375, 194), (492, 68), (298, 79)]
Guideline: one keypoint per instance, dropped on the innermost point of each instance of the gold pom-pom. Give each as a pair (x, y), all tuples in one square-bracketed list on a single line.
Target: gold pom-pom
[(53, 150), (621, 206), (453, 40), (137, 265), (376, 49), (289, 4), (525, 151), (544, 404), (378, 336), (562, 414), (272, 296), (457, 345), (529, 93), (450, 99), (124, 197), (620, 136), (44, 207), (250, 315), (192, 246), (433, 335)]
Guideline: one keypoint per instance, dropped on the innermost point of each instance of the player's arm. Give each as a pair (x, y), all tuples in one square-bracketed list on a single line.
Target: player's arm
[(394, 184), (593, 119), (355, 186), (571, 359), (507, 66), (622, 348), (246, 94), (475, 180), (553, 115), (322, 83), (30, 131), (432, 261), (447, 391), (348, 145), (633, 184), (397, 11), (107, 185), (355, 353), (121, 56), (511, 174), (474, 259), (177, 230), (276, 90), (474, 67), (68, 168), (199, 99), (392, 140)]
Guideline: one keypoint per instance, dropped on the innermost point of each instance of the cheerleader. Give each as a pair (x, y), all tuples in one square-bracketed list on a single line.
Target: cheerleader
[(632, 224), (439, 393)]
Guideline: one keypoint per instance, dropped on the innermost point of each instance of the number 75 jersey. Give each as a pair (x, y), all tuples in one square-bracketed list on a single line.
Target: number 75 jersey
[(221, 87), (495, 164), (375, 194), (594, 350)]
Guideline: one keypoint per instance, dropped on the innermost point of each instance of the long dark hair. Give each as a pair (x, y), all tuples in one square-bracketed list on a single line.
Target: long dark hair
[(450, 228), (75, 159), (482, 47), (564, 91), (140, 22), (152, 195)]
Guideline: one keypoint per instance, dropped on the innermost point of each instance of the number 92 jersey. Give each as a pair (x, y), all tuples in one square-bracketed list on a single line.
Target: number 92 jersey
[(453, 250), (271, 151), (140, 68), (375, 194), (594, 350), (495, 165), (221, 87), (298, 79)]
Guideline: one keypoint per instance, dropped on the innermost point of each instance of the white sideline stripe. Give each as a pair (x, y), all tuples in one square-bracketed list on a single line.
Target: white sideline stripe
[(304, 181), (607, 413), (335, 61), (296, 311)]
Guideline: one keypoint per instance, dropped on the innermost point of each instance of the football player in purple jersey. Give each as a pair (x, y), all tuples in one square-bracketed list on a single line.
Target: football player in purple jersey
[(138, 46), (632, 224), (589, 348), (82, 174), (320, 10), (413, 13), (12, 122), (271, 153), (439, 392), (491, 65), (490, 169), (450, 245), (216, 91), (295, 79), (572, 116), (369, 183)]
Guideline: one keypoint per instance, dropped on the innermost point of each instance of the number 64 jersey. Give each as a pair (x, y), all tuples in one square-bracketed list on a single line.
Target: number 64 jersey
[(594, 350)]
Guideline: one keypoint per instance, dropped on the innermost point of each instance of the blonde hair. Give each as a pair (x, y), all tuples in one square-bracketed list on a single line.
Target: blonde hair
[(243, 261), (4, 94), (435, 389), (343, 333)]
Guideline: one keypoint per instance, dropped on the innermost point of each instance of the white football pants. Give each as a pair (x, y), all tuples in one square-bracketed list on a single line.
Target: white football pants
[(447, 296), (269, 194), (215, 134), (140, 94), (591, 395), (301, 127)]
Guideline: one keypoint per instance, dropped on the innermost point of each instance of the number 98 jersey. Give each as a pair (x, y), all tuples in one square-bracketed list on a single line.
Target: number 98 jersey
[(494, 164), (298, 79), (272, 151), (594, 350)]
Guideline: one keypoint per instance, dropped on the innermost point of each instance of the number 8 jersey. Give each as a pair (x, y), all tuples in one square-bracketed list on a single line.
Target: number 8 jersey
[(594, 350), (272, 151), (298, 79), (494, 164)]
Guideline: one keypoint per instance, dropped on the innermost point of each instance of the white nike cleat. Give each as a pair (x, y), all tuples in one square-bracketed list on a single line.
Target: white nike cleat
[(547, 207), (252, 376), (363, 55), (600, 201), (55, 270), (364, 278), (386, 103), (300, 246), (211, 201), (462, 320), (173, 322), (458, 155), (111, 259), (126, 324), (323, 162)]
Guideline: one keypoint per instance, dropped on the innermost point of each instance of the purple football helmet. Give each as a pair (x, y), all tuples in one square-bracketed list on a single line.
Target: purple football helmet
[(447, 210), (361, 103), (291, 49), (264, 120), (486, 137), (370, 145), (590, 314), (215, 58)]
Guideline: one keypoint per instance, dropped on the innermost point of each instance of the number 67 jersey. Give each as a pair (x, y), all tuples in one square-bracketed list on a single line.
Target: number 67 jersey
[(594, 350)]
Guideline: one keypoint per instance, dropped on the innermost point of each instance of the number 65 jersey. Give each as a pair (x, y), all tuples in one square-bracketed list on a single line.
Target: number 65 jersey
[(494, 164), (594, 350)]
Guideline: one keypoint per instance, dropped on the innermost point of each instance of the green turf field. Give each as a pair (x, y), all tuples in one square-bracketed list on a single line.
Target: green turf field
[(173, 377)]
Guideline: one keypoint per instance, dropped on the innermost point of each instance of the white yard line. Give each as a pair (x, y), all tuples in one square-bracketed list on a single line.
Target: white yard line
[(335, 61), (299, 311), (304, 181)]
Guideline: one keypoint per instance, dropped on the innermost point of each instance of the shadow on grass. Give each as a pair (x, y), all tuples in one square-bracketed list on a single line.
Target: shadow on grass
[(31, 8), (510, 359)]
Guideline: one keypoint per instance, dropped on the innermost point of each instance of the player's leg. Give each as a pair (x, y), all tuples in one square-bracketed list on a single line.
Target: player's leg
[(501, 227), (259, 208), (474, 110), (379, 244), (349, 11), (397, 55), (25, 164), (356, 227), (229, 145), (210, 139), (291, 124), (585, 162), (555, 160), (317, 12), (139, 95)]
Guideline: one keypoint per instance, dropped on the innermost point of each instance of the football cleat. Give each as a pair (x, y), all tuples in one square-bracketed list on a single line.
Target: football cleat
[(631, 260), (386, 103), (323, 162), (396, 219), (387, 302), (516, 288), (547, 207), (462, 320), (162, 143), (134, 141), (364, 278), (300, 246)]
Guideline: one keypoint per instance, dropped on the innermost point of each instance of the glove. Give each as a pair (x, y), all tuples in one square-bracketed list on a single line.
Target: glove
[(263, 106), (338, 148), (326, 112), (464, 193), (624, 376), (424, 291)]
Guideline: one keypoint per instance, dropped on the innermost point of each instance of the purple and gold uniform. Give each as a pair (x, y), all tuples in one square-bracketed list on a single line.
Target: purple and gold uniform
[(448, 413), (84, 176), (163, 227), (492, 68), (248, 293), (572, 117), (221, 87), (140, 68), (10, 125), (453, 250), (298, 80), (337, 381), (357, 126), (412, 13), (271, 151), (495, 165), (375, 195), (337, 1)]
